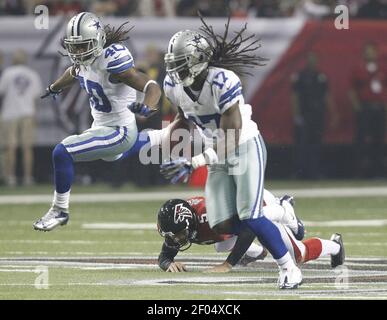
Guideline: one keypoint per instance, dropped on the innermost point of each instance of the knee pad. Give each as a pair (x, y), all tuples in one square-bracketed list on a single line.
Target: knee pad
[(60, 153)]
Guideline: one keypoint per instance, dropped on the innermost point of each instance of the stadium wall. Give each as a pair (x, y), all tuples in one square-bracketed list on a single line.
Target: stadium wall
[(338, 52)]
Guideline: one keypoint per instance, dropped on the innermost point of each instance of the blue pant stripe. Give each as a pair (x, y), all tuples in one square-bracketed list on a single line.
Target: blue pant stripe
[(258, 199), (111, 136), (103, 146)]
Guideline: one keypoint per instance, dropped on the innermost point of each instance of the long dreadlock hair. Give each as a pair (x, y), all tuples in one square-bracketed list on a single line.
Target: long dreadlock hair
[(114, 35), (236, 54)]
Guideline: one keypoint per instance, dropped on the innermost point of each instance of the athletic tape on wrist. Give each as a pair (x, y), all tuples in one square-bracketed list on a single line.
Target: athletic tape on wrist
[(209, 156)]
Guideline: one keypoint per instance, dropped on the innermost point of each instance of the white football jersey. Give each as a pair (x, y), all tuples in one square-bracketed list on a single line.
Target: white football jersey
[(221, 90), (109, 99)]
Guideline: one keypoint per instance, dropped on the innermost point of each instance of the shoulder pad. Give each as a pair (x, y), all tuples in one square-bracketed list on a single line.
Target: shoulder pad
[(227, 88), (168, 82), (117, 58)]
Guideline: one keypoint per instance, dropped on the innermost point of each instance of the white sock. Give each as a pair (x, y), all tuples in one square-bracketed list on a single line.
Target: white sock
[(329, 248), (286, 262), (254, 250), (274, 212), (156, 136), (62, 200)]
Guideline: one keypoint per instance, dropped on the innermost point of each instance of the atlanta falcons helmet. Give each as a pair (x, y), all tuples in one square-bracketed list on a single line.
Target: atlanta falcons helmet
[(85, 38), (188, 55), (177, 222)]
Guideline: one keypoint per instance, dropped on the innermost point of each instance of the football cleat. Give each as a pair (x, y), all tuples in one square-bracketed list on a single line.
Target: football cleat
[(290, 278), (338, 259), (246, 259), (53, 218), (291, 220)]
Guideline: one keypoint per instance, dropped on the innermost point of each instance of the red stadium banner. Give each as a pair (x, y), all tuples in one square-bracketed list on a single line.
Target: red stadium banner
[(338, 52)]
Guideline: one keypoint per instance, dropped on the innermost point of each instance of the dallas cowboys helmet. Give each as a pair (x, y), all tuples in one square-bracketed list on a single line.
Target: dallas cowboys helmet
[(188, 55), (85, 38), (177, 222)]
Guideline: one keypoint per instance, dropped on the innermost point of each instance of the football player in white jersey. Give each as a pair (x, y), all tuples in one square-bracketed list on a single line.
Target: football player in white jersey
[(104, 67), (202, 82)]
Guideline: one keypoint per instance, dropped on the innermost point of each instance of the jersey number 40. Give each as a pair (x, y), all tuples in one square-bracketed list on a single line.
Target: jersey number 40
[(97, 97)]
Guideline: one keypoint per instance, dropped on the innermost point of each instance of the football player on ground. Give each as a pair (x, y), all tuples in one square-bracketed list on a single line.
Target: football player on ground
[(202, 82), (104, 68), (182, 223)]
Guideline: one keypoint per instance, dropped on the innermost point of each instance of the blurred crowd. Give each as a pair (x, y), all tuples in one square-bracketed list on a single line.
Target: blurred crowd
[(312, 101), (374, 9)]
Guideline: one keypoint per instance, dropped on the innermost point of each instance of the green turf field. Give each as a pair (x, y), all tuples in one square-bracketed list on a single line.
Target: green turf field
[(109, 250)]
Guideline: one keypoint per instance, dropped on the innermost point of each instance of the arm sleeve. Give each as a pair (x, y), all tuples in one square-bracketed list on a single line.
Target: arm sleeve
[(117, 59), (245, 239), (228, 89), (166, 256)]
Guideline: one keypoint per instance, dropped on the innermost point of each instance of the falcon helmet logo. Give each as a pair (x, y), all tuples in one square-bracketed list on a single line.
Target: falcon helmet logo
[(181, 213)]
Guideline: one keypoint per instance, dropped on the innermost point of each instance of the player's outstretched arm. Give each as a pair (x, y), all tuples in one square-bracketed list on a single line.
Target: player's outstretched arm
[(176, 267), (141, 82), (65, 80), (244, 241), (166, 260), (220, 268)]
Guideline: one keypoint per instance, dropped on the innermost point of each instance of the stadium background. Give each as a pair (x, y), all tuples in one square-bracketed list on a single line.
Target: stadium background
[(286, 42)]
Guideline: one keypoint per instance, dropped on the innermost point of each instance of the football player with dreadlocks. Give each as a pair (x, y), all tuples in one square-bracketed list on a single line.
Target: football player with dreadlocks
[(202, 81), (105, 69), (182, 223)]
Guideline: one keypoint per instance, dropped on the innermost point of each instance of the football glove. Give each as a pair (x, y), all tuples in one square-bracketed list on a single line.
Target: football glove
[(141, 109), (50, 92), (178, 170)]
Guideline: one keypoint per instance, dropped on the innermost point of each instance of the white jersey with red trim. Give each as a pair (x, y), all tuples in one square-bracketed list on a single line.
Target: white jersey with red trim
[(108, 98), (221, 90)]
